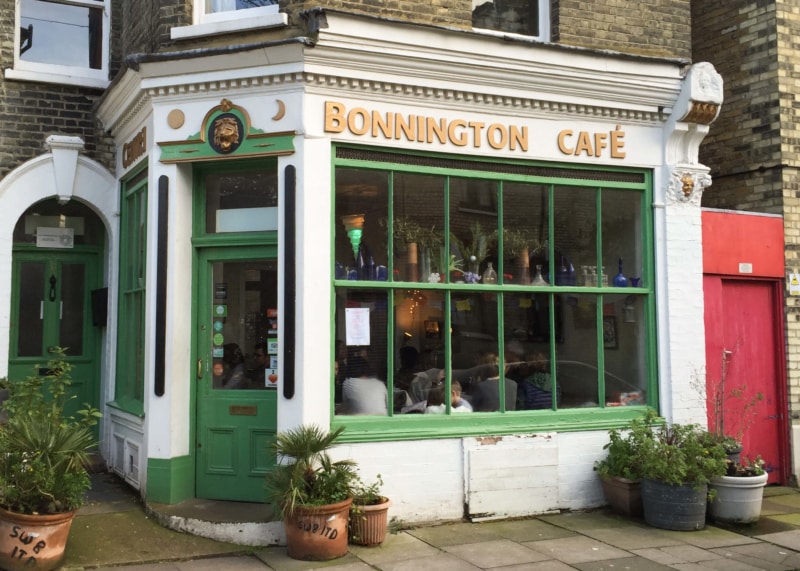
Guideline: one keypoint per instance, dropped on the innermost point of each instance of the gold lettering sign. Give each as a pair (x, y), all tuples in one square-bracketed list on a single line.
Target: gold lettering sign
[(135, 148), (242, 410), (592, 144), (423, 129)]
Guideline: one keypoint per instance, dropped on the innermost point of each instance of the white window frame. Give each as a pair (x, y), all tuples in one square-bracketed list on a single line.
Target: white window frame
[(544, 26), (62, 74), (212, 23)]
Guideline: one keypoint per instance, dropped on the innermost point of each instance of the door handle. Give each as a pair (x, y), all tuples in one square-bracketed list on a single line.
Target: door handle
[(199, 369), (52, 294)]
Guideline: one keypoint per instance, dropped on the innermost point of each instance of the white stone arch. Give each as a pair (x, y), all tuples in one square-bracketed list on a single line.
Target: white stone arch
[(65, 175)]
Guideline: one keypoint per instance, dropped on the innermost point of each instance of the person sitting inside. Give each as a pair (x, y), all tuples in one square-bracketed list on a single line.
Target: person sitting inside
[(362, 393), (535, 389), (435, 403), (486, 393)]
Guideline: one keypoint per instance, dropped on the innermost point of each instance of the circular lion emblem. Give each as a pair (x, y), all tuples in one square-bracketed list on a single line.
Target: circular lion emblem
[(226, 133)]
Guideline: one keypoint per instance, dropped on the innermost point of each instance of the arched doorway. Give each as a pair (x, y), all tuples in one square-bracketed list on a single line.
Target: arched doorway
[(57, 294)]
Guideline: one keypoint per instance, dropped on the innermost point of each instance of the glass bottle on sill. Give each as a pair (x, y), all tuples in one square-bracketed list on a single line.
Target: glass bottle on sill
[(489, 275), (538, 280)]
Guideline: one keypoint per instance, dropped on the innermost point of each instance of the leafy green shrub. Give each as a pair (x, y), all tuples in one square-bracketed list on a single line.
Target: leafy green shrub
[(43, 451), (624, 446)]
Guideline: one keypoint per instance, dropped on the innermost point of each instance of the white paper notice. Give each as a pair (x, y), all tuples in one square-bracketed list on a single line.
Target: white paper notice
[(357, 325)]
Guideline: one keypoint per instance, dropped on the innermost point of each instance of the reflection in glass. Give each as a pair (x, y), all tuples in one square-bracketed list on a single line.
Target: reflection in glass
[(72, 308), (576, 362), (244, 331), (622, 226), (30, 337), (242, 201), (419, 233), (525, 230), (575, 237), (511, 16), (228, 5), (361, 325), (473, 226), (624, 349), (47, 27), (362, 206)]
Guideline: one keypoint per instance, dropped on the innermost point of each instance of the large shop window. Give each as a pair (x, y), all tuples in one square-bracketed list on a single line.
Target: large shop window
[(45, 27), (494, 289), (129, 394), (520, 17)]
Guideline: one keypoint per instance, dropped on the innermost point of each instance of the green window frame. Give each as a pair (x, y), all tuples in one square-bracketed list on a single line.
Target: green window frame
[(539, 323), (129, 388)]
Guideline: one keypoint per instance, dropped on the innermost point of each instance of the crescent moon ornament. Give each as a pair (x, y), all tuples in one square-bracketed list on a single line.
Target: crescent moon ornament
[(281, 110)]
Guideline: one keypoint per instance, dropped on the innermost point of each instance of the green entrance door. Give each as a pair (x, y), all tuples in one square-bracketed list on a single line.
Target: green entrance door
[(236, 370), (51, 308)]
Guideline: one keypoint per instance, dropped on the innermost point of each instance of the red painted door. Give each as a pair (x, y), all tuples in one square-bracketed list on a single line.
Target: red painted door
[(744, 372)]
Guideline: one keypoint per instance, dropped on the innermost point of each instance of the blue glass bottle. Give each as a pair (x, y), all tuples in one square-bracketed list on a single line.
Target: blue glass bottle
[(620, 280)]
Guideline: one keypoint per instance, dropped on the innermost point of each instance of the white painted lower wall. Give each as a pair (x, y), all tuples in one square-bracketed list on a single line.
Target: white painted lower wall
[(487, 477)]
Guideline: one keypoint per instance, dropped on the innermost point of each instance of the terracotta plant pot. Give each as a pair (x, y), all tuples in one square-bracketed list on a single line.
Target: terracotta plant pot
[(318, 533), (623, 495), (368, 523), (33, 541)]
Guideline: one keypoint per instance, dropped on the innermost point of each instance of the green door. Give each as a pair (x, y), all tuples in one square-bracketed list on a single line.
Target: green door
[(51, 307), (236, 371)]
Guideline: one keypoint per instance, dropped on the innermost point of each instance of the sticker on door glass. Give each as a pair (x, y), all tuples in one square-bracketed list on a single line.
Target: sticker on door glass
[(218, 352), (219, 339), (272, 378), (221, 290), (218, 325), (272, 346), (221, 310), (218, 369)]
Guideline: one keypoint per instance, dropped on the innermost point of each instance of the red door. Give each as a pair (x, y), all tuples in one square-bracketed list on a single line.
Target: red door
[(744, 356)]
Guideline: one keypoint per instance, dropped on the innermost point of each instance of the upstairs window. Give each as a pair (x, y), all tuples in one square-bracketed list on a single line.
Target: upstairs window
[(62, 42), (512, 17), (226, 16)]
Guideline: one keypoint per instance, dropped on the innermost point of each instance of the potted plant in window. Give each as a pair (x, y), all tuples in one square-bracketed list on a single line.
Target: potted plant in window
[(311, 493), (407, 235), (676, 463), (517, 244), (369, 514), (44, 452)]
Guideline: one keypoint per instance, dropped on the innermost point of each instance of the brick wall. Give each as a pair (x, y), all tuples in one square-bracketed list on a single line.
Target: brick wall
[(33, 111), (655, 28)]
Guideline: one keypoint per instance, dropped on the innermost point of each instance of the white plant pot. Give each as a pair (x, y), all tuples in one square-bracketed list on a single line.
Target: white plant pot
[(738, 499)]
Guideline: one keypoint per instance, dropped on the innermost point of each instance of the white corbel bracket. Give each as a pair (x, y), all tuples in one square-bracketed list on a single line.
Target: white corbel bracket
[(65, 163)]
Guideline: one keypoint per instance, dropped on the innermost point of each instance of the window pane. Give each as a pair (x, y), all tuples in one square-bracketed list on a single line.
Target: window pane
[(624, 349), (575, 235), (242, 201), (576, 363), (420, 337), (513, 16), (30, 337), (72, 308), (227, 5), (47, 27), (362, 208), (419, 254), (525, 230), (622, 231), (527, 347), (87, 229), (361, 322), (473, 228)]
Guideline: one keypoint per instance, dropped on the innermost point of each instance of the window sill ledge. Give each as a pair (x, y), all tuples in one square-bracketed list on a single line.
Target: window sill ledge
[(225, 27), (61, 79)]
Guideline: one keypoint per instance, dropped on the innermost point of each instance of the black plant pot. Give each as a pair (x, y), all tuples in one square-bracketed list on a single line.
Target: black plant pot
[(680, 508)]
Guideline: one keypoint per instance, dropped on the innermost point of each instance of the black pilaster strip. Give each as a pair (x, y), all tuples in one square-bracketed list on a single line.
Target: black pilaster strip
[(287, 344), (161, 286)]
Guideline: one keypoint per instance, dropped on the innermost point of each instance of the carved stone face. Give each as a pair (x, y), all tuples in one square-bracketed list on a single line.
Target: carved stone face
[(226, 133)]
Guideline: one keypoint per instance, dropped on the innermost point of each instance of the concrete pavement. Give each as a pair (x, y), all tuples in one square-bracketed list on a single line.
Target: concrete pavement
[(113, 532)]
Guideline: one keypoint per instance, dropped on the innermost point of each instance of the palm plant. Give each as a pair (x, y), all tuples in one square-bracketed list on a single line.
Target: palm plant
[(308, 476)]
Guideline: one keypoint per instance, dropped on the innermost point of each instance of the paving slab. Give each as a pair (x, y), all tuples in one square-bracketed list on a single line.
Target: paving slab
[(496, 553), (632, 537), (454, 534), (790, 539), (440, 562), (763, 555), (577, 549), (395, 547), (579, 521), (626, 563), (711, 537), (279, 560), (526, 530)]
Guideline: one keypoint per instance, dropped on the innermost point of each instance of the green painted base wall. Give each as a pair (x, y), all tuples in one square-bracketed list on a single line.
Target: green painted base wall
[(170, 481)]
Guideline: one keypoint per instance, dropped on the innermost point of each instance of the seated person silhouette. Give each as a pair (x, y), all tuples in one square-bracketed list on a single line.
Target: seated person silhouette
[(362, 393), (233, 376)]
